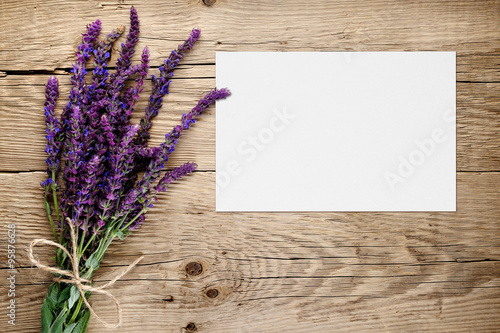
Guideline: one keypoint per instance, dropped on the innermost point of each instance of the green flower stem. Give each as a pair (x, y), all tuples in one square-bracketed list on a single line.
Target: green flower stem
[(79, 250), (131, 221), (82, 251), (54, 195), (108, 241), (76, 311), (49, 214)]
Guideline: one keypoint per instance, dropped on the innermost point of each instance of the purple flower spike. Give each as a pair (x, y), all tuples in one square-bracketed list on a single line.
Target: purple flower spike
[(93, 31), (170, 176), (131, 96), (143, 188), (104, 154), (84, 194), (101, 58), (121, 164), (161, 85), (175, 174), (54, 128), (188, 119), (178, 54), (128, 47), (83, 53), (123, 66)]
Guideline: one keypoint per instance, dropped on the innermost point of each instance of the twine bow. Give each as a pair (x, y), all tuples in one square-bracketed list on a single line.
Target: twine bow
[(74, 275)]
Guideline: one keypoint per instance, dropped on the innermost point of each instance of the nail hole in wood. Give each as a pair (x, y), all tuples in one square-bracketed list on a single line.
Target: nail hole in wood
[(169, 298)]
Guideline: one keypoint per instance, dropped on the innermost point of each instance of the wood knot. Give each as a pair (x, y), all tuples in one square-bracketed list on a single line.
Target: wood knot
[(212, 293), (194, 268), (191, 327), (209, 2)]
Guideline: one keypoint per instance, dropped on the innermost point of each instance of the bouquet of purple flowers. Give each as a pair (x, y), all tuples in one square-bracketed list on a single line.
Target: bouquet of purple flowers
[(93, 193)]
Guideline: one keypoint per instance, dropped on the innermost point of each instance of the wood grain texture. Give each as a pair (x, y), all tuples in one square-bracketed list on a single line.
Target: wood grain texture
[(22, 129), (307, 272), (45, 40), (275, 272)]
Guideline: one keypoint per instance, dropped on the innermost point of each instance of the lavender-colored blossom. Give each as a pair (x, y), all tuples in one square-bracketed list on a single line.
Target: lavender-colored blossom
[(170, 176), (175, 174), (101, 57), (124, 70), (53, 127), (103, 153), (73, 118), (120, 107), (131, 96), (107, 135), (144, 187), (84, 198), (188, 119), (175, 56), (128, 48), (73, 152), (161, 84), (121, 164), (83, 53)]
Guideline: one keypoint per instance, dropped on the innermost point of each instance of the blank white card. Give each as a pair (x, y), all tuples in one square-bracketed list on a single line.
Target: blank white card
[(336, 131)]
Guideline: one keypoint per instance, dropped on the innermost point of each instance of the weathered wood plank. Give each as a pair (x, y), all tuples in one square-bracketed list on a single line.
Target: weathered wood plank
[(388, 272), (22, 127), (297, 271), (50, 30)]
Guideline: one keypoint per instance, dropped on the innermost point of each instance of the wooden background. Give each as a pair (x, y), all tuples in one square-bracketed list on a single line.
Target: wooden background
[(274, 272)]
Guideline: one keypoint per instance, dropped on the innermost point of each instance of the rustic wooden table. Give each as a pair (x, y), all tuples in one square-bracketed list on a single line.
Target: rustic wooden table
[(265, 272)]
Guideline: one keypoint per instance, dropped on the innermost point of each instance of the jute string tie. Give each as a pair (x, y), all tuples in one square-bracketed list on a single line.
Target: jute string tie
[(73, 277)]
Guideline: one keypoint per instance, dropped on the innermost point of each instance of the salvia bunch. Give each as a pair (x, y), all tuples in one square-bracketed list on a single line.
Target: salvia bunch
[(95, 157)]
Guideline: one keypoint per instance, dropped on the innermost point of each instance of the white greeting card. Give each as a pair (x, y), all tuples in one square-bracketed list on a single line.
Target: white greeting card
[(336, 131)]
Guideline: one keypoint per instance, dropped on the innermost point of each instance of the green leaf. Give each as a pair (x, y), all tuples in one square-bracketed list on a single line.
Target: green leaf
[(69, 328), (92, 262), (81, 326), (74, 296), (47, 207), (120, 234), (64, 295), (53, 293), (57, 326), (46, 317), (51, 306)]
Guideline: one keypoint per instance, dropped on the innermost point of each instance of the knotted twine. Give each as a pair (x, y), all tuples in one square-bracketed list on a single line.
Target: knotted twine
[(74, 276)]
